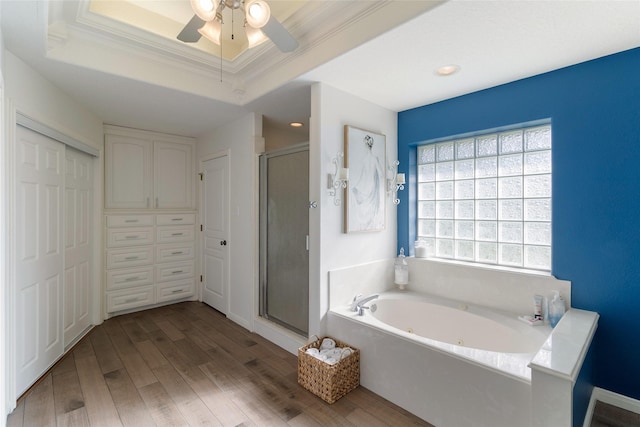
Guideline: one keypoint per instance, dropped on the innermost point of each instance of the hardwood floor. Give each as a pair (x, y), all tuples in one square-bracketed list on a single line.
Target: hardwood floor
[(187, 365)]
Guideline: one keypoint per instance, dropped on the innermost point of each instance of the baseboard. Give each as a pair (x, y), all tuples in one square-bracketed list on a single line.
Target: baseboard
[(611, 398)]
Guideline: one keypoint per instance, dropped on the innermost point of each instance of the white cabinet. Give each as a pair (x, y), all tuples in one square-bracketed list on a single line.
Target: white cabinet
[(172, 174), (128, 182), (148, 170), (150, 259)]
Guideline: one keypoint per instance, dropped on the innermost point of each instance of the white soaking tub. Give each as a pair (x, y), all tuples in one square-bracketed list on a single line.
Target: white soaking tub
[(451, 363)]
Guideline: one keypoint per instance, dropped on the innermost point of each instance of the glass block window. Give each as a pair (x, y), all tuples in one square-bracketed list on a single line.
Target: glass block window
[(487, 199)]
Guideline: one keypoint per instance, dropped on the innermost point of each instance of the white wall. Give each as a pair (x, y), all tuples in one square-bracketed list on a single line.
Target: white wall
[(39, 99), (242, 140), (330, 249)]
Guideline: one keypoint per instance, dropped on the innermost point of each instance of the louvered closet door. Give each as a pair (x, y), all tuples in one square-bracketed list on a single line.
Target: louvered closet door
[(39, 188), (78, 243)]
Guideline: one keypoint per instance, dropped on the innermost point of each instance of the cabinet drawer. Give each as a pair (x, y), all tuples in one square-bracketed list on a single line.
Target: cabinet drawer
[(175, 271), (129, 278), (175, 290), (175, 234), (135, 237), (129, 221), (130, 298), (171, 253), (177, 219), (130, 257)]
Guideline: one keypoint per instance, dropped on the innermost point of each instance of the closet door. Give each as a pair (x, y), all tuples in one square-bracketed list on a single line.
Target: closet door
[(39, 188), (78, 243)]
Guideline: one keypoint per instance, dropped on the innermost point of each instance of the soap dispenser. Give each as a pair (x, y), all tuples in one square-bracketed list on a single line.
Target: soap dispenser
[(556, 309), (401, 271)]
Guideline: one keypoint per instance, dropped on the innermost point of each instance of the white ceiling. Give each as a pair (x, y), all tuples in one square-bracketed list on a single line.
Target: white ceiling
[(382, 51)]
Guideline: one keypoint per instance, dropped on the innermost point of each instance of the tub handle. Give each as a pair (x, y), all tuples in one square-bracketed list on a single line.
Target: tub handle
[(361, 309)]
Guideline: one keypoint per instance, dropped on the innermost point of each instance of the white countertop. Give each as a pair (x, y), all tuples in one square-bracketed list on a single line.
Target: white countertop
[(563, 352)]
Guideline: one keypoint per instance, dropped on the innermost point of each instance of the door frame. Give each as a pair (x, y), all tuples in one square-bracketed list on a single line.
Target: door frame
[(263, 159), (216, 155)]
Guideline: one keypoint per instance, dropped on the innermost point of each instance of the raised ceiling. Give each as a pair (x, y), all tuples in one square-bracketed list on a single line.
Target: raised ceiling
[(143, 34)]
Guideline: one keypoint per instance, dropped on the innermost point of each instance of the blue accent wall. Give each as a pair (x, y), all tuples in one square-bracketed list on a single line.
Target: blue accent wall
[(594, 108)]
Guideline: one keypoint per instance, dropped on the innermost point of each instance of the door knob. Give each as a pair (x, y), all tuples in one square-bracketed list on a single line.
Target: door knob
[(223, 243)]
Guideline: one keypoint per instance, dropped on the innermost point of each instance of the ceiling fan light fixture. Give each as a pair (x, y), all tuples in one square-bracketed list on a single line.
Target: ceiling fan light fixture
[(205, 9), (212, 30), (257, 13), (255, 36)]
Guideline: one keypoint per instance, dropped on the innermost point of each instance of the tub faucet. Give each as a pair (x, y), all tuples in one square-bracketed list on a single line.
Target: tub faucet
[(359, 302)]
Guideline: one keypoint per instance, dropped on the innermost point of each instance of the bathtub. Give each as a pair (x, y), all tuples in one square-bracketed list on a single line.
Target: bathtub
[(451, 363)]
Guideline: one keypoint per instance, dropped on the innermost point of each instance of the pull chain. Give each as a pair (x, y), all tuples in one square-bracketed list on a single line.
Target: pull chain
[(232, 21)]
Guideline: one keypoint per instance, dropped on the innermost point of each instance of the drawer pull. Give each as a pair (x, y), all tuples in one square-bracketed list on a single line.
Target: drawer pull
[(177, 253), (177, 272), (177, 291), (132, 237), (177, 219), (131, 279), (131, 300), (177, 234), (131, 258), (130, 220)]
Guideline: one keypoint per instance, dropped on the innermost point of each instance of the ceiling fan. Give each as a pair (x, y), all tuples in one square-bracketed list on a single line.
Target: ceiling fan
[(259, 23)]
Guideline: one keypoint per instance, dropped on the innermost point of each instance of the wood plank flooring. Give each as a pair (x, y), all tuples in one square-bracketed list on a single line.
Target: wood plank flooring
[(187, 365)]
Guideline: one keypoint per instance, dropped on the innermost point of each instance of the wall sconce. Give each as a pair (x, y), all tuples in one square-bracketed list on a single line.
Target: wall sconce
[(338, 180), (395, 181)]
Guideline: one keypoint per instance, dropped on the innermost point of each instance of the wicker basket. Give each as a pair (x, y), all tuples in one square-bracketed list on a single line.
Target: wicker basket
[(328, 382)]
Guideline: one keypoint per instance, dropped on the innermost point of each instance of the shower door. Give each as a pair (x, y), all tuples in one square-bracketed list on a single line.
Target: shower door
[(284, 229)]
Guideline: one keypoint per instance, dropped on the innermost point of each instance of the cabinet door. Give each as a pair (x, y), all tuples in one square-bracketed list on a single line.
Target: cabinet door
[(128, 172), (173, 174)]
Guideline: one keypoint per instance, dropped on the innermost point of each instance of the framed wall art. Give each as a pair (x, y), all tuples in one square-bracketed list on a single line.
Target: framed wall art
[(365, 156)]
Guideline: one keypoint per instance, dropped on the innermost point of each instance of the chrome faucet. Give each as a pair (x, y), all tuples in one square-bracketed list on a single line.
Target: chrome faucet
[(358, 303)]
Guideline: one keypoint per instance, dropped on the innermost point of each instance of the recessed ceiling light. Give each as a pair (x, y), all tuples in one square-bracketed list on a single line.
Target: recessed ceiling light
[(447, 70), (296, 124)]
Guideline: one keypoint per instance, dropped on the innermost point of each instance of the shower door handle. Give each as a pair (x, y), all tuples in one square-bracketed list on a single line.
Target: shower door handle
[(307, 242)]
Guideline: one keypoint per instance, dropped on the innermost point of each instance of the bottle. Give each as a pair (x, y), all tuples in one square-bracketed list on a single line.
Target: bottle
[(556, 309), (401, 270)]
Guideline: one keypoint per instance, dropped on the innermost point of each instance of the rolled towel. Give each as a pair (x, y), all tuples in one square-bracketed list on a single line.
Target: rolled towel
[(327, 344), (345, 351), (333, 353), (313, 351)]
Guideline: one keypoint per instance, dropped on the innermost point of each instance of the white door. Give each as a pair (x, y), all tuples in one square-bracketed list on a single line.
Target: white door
[(215, 220), (78, 243), (39, 189)]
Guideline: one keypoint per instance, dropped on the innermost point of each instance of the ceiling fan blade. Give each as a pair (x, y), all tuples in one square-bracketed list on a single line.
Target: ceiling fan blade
[(189, 33), (279, 35)]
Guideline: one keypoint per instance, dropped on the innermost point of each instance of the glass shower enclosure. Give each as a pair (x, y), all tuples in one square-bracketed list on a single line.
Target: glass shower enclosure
[(284, 234)]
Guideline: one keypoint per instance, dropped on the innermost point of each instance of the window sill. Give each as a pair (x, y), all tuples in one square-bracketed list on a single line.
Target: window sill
[(491, 267)]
